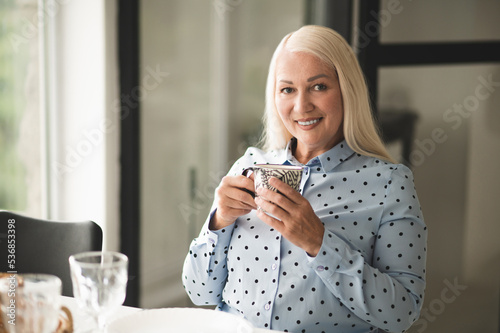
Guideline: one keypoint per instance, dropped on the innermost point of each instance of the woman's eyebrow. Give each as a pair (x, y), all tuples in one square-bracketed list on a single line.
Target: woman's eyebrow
[(308, 80), (316, 77)]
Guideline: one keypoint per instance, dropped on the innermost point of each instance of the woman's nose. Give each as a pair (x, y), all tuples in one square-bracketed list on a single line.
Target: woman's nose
[(303, 102)]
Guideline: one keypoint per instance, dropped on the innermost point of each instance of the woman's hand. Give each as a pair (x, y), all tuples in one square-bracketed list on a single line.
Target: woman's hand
[(299, 224), (233, 200)]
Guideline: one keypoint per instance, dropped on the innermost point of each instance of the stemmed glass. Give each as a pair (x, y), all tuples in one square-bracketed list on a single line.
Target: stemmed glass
[(99, 283)]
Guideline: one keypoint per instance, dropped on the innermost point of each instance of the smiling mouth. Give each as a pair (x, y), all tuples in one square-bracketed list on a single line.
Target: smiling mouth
[(309, 122)]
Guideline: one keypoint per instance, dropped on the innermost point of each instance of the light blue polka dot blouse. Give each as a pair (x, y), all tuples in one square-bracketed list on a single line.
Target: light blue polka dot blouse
[(368, 276)]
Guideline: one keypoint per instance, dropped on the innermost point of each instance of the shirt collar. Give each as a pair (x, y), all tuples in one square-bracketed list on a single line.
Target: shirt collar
[(328, 160)]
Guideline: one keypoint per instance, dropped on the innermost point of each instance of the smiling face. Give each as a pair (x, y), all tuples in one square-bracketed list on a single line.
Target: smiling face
[(309, 102)]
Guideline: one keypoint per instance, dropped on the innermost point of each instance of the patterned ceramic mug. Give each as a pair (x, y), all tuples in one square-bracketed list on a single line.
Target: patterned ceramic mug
[(288, 174)]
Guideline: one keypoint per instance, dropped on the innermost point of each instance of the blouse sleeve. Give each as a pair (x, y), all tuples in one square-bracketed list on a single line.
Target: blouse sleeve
[(205, 270), (387, 289)]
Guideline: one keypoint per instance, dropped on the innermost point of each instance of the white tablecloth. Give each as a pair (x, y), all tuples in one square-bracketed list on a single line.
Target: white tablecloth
[(83, 322)]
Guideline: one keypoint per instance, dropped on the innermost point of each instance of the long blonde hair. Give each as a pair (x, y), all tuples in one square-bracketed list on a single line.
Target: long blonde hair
[(359, 127)]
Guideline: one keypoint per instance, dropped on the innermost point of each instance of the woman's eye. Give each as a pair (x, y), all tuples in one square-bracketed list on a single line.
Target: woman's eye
[(287, 90), (319, 86)]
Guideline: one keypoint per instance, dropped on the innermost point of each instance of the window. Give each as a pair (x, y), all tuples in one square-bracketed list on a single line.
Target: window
[(58, 115), (20, 108)]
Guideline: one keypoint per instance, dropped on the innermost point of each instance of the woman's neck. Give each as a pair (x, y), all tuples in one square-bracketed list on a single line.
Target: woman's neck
[(304, 153)]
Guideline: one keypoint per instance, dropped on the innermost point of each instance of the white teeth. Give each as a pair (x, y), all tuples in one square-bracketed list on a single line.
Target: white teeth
[(310, 122)]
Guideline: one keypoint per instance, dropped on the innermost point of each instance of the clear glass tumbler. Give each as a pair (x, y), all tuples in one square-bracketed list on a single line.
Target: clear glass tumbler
[(30, 302)]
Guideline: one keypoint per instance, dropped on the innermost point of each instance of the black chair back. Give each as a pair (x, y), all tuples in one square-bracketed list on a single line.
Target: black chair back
[(30, 245)]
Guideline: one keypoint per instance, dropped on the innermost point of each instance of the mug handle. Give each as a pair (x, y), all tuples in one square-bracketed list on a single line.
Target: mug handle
[(65, 321), (247, 170), (245, 173)]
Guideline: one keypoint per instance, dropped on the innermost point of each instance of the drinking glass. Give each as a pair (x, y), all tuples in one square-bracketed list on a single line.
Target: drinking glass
[(30, 302), (99, 283)]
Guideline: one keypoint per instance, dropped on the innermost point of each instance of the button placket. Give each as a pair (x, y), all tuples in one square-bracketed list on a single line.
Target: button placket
[(305, 176)]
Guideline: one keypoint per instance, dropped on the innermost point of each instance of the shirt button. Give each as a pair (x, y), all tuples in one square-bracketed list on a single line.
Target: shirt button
[(211, 241), (267, 306), (320, 268), (274, 266)]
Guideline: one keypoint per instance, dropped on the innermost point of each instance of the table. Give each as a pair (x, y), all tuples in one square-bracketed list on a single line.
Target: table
[(83, 322)]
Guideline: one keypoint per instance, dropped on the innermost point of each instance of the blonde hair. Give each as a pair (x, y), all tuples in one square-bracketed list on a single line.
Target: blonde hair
[(360, 131)]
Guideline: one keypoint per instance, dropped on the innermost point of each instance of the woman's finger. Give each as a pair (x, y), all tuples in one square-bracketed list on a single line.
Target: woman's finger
[(271, 207), (285, 189), (239, 188), (278, 198)]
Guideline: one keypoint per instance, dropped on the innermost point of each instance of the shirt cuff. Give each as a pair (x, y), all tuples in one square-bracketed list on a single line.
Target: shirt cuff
[(217, 237), (329, 257)]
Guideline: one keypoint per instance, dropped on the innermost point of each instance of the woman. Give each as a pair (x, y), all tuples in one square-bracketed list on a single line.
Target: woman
[(347, 253)]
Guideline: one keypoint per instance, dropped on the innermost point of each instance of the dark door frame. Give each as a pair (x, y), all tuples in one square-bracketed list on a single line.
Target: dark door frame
[(372, 55), (130, 137)]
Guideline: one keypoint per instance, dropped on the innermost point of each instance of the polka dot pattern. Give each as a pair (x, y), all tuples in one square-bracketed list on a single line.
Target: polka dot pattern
[(368, 276)]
